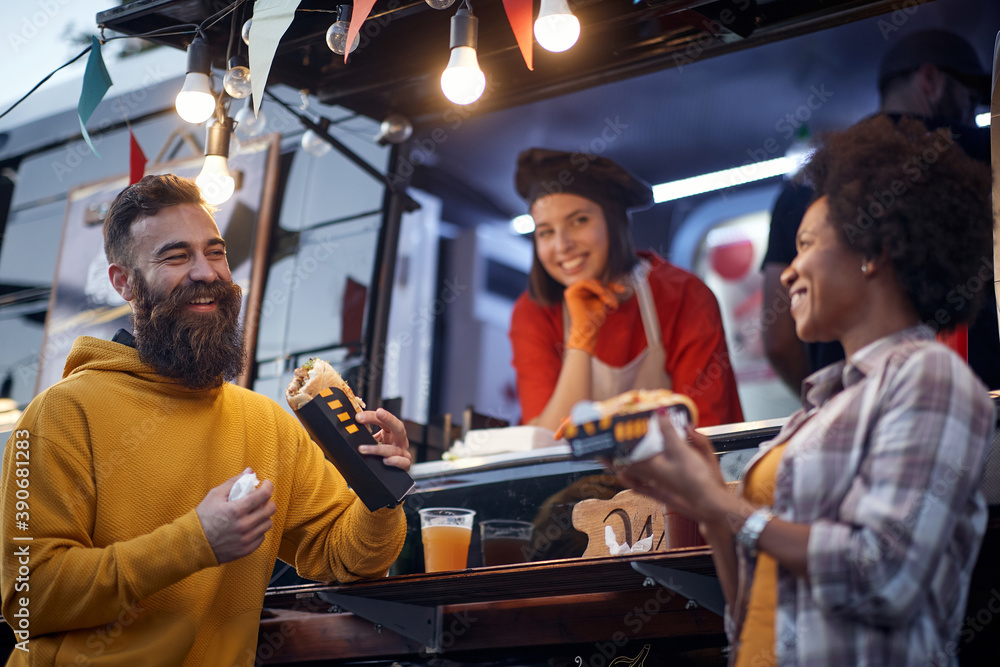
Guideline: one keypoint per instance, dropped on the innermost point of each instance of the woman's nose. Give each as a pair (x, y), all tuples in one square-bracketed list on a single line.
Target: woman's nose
[(789, 275)]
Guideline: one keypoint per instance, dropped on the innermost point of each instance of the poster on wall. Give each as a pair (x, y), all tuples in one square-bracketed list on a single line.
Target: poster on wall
[(83, 301)]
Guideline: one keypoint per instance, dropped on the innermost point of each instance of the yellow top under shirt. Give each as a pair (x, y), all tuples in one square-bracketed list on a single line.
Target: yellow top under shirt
[(757, 636), (121, 572)]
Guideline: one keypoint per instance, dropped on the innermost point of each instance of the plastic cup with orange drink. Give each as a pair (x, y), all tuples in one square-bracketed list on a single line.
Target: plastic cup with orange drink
[(446, 533)]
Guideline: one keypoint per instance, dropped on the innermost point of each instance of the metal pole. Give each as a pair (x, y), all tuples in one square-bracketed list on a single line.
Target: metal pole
[(384, 273)]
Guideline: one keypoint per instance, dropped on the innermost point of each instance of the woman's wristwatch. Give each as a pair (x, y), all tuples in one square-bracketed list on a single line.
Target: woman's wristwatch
[(753, 527)]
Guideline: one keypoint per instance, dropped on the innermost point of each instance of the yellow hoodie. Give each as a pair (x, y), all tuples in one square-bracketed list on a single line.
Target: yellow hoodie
[(119, 571)]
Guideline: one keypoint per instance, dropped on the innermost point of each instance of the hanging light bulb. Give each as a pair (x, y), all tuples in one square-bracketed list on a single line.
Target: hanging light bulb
[(313, 143), (217, 185), (395, 129), (195, 103), (237, 79), (336, 36), (245, 32), (556, 29), (462, 81), (247, 124), (440, 4)]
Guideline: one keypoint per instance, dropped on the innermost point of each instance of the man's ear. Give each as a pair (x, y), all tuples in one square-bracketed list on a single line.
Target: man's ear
[(121, 280)]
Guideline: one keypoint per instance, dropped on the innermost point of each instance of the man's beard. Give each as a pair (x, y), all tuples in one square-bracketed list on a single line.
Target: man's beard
[(199, 349)]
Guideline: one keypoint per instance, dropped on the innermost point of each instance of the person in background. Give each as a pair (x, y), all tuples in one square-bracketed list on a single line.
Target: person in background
[(598, 318), (855, 532), (932, 75), (125, 523)]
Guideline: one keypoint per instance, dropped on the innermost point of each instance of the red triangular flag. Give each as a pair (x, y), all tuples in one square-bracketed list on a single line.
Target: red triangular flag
[(362, 8), (519, 17), (136, 160)]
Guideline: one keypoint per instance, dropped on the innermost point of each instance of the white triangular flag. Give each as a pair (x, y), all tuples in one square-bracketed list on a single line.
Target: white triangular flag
[(271, 19)]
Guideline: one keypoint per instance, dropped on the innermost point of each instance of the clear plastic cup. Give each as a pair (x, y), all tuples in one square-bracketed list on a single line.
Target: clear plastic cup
[(446, 533), (505, 541)]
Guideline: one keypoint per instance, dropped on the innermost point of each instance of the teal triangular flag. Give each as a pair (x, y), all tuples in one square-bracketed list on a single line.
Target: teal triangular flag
[(96, 82)]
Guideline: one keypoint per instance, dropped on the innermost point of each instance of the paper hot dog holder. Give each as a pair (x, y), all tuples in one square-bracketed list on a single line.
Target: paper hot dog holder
[(329, 419)]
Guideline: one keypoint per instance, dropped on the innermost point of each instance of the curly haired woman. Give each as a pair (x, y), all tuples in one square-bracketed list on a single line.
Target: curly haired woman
[(854, 536)]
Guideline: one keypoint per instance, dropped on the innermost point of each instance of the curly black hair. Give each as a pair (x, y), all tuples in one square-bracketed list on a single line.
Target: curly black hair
[(915, 197)]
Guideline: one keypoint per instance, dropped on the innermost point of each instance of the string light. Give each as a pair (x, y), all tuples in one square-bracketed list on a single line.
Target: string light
[(336, 35), (556, 28), (462, 81), (237, 79), (395, 129), (217, 185), (313, 143), (247, 124), (195, 102)]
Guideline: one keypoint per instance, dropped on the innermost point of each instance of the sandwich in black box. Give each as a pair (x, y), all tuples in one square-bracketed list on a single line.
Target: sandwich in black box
[(614, 428), (326, 406)]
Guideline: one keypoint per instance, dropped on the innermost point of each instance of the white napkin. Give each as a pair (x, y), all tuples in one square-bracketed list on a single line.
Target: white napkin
[(615, 549), (243, 486)]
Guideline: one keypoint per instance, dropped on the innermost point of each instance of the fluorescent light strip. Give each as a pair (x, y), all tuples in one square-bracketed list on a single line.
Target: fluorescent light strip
[(719, 180), (696, 185)]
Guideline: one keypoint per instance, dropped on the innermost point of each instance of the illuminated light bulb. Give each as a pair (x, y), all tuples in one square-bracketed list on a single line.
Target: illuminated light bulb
[(217, 185), (248, 125), (439, 4), (237, 79), (245, 32), (336, 38), (314, 144), (195, 102), (462, 81), (556, 29)]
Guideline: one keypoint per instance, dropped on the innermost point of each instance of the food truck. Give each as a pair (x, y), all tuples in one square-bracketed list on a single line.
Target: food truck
[(374, 224)]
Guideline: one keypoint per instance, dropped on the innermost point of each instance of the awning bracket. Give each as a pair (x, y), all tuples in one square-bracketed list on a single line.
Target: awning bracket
[(417, 622), (705, 591)]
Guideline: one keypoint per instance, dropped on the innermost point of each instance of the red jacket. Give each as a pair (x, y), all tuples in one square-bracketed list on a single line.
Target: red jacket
[(693, 340)]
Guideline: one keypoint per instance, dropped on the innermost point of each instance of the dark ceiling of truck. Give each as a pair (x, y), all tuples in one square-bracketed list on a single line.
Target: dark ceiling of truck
[(677, 87)]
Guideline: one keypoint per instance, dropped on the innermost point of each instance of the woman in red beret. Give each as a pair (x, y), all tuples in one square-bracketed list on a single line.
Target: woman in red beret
[(598, 318)]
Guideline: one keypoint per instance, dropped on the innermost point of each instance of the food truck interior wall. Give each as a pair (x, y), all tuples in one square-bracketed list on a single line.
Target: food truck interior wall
[(709, 114)]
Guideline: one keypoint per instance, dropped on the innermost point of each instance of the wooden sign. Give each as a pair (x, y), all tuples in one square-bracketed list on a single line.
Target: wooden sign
[(632, 517)]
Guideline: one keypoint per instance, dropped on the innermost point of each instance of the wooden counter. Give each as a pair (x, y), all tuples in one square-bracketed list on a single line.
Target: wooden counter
[(600, 607)]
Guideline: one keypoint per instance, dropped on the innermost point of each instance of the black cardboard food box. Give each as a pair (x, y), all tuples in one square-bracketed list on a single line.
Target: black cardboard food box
[(617, 435), (329, 419)]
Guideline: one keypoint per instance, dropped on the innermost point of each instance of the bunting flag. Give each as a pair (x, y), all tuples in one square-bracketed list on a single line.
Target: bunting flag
[(362, 8), (136, 160), (270, 20), (519, 17), (96, 82)]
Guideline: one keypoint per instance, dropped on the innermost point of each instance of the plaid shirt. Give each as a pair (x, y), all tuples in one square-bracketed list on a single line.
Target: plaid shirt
[(884, 462)]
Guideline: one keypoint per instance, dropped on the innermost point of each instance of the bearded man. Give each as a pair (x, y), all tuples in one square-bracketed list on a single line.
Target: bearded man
[(122, 546)]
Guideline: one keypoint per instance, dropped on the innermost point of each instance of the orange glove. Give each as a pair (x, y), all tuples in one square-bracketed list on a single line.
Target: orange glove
[(588, 302)]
